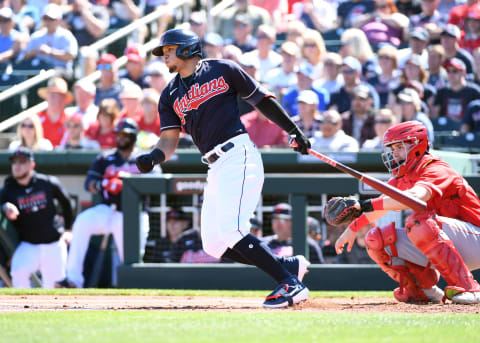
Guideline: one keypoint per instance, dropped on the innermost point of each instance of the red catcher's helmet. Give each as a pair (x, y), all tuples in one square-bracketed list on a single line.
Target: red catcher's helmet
[(414, 137)]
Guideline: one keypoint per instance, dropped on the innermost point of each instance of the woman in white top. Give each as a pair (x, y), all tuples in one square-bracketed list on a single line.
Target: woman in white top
[(313, 51), (30, 135)]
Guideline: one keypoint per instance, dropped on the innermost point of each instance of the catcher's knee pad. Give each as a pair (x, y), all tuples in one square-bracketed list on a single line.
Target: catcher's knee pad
[(426, 234)]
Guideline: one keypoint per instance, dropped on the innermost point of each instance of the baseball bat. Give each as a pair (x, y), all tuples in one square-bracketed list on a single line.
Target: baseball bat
[(98, 264), (382, 187), (5, 277)]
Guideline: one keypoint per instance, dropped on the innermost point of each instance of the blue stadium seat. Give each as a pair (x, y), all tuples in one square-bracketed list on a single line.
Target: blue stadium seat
[(469, 142), (446, 124)]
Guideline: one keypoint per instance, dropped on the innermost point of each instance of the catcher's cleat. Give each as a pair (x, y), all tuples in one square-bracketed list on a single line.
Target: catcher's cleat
[(459, 295), (433, 295), (296, 265), (289, 292), (65, 283)]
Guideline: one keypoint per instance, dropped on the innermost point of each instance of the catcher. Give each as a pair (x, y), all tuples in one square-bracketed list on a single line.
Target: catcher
[(444, 240)]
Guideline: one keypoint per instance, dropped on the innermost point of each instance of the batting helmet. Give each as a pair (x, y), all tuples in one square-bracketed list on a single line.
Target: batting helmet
[(414, 137), (127, 125), (188, 43)]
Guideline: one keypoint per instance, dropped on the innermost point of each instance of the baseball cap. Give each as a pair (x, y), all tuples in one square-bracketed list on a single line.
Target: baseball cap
[(86, 85), (53, 11), (282, 211), (313, 226), (213, 38), (22, 152), (415, 59), (242, 19), (255, 223), (409, 95), (151, 94), (352, 63), (451, 30), (420, 33), (106, 59), (455, 63), (248, 60), (134, 53), (290, 48), (362, 91), (198, 17), (76, 117), (6, 12), (156, 69), (474, 12), (308, 97), (131, 91), (306, 69), (177, 214)]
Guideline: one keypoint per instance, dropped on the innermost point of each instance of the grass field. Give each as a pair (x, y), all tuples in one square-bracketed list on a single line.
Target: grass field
[(223, 326)]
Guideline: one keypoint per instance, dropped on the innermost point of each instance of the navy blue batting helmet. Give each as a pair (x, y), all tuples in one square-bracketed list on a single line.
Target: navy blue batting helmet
[(188, 43), (127, 125)]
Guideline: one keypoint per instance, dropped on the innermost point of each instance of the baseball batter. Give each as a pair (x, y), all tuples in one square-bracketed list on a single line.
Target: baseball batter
[(201, 99), (104, 178), (444, 239)]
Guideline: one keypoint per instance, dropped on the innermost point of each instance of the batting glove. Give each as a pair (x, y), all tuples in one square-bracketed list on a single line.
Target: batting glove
[(299, 142), (146, 162)]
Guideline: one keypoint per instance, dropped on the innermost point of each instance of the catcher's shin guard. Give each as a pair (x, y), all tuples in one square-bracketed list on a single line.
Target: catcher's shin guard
[(411, 278), (426, 234)]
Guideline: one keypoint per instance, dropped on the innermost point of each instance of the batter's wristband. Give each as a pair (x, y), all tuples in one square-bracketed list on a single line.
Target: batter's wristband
[(359, 223), (157, 156), (377, 204)]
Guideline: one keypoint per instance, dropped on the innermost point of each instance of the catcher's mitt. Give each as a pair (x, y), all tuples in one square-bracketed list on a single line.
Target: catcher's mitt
[(341, 211)]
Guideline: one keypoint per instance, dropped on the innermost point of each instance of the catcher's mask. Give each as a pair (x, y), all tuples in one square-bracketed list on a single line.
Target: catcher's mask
[(402, 158)]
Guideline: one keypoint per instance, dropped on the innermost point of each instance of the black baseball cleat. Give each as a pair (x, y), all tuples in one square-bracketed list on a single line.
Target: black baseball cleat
[(289, 292), (65, 283)]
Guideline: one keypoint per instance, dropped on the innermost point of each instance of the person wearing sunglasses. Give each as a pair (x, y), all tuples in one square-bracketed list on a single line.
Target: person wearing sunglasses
[(384, 119), (74, 138), (109, 85), (30, 135), (331, 137)]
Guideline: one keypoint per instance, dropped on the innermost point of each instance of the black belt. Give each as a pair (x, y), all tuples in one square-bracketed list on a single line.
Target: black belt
[(213, 157)]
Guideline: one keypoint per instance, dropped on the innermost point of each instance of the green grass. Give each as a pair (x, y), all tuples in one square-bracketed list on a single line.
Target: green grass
[(212, 327)]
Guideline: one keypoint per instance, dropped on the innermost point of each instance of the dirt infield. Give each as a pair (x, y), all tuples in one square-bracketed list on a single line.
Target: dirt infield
[(22, 303)]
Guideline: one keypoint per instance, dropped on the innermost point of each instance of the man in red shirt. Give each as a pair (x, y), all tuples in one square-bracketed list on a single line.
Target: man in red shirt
[(53, 118), (444, 239), (262, 131)]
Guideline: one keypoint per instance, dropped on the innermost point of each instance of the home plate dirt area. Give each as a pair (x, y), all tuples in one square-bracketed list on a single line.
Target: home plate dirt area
[(22, 303)]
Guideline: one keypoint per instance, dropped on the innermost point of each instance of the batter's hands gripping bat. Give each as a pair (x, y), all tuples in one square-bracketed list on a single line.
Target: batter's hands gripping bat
[(97, 266), (383, 187)]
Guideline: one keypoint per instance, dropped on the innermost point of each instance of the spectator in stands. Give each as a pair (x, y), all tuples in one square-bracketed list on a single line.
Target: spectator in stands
[(134, 69), (437, 76), (242, 34), (57, 96), (476, 61), (313, 51), (26, 16), (102, 130), (331, 137), (430, 17), (471, 119), (278, 11), (87, 21), (458, 13), (224, 22), (384, 25), (308, 119), (409, 7), (351, 71), (359, 254), (53, 44), (263, 132), (389, 77), (30, 135), (131, 97), (256, 227), (11, 41), (470, 36), (265, 55), (161, 252), (314, 231), (212, 45), (150, 121), (305, 82), (157, 76), (109, 86), (198, 24), (163, 20), (355, 43), (74, 138), (124, 12), (279, 79), (319, 15), (384, 119), (449, 40), (332, 80), (84, 93), (412, 110), (349, 10), (104, 179), (27, 200), (452, 100), (232, 52), (281, 240), (295, 31), (250, 65), (359, 122), (417, 45)]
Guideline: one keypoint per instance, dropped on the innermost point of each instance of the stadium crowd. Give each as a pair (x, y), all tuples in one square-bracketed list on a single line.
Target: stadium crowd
[(345, 71)]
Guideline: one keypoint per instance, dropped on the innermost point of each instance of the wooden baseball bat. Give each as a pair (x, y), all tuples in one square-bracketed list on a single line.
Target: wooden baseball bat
[(383, 187), (5, 277)]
